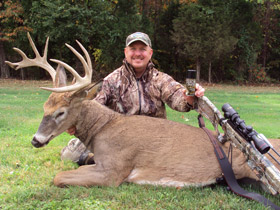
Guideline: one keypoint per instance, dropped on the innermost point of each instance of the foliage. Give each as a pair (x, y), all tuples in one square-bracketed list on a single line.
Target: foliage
[(257, 74), (11, 24), (104, 26), (271, 59), (64, 22), (11, 21), (202, 30), (164, 50), (124, 20), (229, 35), (248, 33)]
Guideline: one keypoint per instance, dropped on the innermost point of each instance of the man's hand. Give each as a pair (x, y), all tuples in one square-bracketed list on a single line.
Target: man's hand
[(71, 130), (199, 92)]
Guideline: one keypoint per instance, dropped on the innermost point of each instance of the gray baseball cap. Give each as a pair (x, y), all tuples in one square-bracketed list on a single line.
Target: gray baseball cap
[(138, 36)]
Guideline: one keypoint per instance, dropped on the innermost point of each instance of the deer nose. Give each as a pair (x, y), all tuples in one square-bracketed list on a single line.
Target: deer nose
[(36, 143)]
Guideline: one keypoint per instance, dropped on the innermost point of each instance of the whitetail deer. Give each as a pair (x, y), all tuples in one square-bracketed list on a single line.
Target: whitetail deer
[(138, 149)]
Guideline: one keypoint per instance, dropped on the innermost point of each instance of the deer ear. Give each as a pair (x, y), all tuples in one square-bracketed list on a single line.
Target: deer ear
[(94, 90), (88, 92), (60, 77)]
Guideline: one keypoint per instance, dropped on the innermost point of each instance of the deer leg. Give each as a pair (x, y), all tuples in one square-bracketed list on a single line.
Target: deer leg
[(90, 175)]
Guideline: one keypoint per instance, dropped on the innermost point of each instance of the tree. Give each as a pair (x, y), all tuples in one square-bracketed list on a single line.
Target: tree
[(65, 21), (125, 20), (202, 32), (273, 61), (101, 26), (227, 37), (11, 23), (247, 31), (188, 33), (221, 44), (164, 50), (267, 16)]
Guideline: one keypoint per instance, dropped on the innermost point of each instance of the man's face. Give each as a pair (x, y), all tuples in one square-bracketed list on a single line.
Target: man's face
[(138, 55)]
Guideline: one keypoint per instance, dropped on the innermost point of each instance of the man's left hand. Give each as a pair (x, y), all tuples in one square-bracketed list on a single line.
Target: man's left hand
[(199, 91)]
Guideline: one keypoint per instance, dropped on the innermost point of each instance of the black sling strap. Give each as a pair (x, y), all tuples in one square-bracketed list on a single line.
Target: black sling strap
[(228, 172)]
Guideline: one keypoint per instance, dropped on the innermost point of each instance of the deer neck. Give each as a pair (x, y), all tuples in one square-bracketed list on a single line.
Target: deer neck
[(92, 119)]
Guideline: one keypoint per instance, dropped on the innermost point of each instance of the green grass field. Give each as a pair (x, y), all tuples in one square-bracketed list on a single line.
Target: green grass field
[(26, 173)]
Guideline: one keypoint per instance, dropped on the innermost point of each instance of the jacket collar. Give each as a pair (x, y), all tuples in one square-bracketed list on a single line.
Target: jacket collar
[(129, 71)]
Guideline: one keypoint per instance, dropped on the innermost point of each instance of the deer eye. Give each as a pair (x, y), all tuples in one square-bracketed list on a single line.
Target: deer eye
[(59, 115)]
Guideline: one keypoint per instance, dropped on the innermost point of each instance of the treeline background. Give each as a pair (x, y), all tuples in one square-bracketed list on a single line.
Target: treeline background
[(225, 40)]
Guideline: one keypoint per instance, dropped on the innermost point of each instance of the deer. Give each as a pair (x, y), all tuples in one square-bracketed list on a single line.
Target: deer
[(136, 149)]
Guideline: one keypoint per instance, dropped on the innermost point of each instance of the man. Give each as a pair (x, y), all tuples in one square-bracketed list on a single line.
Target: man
[(136, 88)]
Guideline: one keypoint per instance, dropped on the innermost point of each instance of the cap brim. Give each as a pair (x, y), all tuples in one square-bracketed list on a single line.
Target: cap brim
[(135, 40)]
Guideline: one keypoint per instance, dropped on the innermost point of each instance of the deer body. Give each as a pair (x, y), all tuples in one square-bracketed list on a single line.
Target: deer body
[(144, 150)]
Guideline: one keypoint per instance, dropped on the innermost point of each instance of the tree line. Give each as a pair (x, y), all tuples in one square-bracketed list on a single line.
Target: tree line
[(224, 40)]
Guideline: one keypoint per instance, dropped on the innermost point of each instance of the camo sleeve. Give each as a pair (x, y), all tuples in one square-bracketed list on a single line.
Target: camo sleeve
[(103, 97), (172, 93)]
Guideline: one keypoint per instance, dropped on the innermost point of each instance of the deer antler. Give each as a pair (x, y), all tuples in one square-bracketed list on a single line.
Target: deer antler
[(40, 61), (81, 82), (37, 61)]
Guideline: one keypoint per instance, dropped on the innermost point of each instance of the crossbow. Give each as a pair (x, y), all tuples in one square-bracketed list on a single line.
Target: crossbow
[(253, 145)]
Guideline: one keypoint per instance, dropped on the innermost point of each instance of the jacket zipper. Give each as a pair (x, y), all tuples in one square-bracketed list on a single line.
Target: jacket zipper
[(139, 94)]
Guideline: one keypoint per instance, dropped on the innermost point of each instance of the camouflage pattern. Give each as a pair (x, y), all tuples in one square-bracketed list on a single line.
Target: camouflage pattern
[(124, 93), (267, 173)]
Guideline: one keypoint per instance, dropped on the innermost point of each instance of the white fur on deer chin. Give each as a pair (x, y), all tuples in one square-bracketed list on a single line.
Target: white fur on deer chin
[(167, 182)]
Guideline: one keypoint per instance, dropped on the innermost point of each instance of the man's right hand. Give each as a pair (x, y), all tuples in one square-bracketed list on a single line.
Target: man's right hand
[(71, 130)]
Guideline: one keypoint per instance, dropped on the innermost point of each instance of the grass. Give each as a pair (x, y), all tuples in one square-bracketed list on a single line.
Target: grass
[(26, 173)]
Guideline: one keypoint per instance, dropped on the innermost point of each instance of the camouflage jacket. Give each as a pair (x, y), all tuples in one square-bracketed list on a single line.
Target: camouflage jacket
[(124, 93)]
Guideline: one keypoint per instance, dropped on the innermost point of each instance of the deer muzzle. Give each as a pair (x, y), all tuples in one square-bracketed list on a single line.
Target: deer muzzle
[(36, 143), (45, 132)]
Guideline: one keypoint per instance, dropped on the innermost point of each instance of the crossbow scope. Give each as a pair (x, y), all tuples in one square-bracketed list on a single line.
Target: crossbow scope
[(245, 131)]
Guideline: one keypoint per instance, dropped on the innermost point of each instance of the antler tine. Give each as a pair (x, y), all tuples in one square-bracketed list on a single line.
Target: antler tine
[(40, 61), (81, 82), (37, 54), (87, 56), (16, 65), (87, 66), (45, 49)]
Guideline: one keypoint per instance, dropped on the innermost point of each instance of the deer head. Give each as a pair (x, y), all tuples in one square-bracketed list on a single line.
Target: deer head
[(64, 99)]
